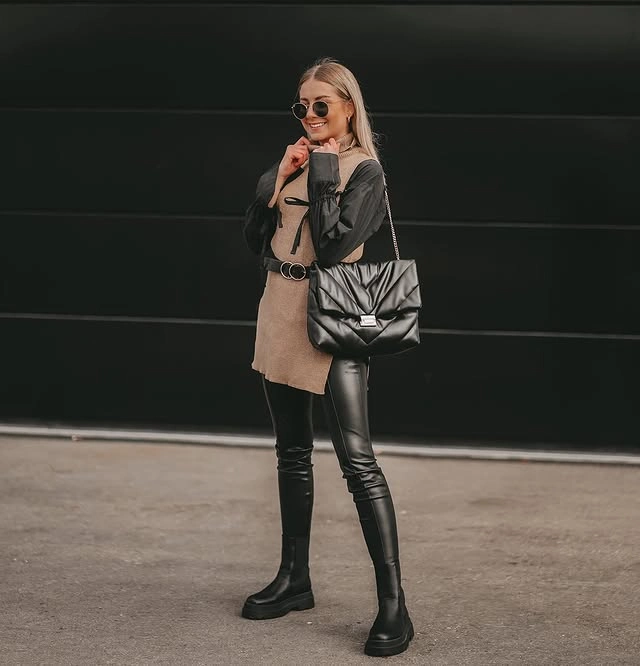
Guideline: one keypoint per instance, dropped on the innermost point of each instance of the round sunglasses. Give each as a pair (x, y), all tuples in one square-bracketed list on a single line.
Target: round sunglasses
[(300, 110)]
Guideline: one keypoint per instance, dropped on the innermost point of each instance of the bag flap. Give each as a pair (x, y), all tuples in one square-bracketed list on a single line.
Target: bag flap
[(383, 288)]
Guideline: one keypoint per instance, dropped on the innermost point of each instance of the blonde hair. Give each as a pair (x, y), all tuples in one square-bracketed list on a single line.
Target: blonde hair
[(342, 79)]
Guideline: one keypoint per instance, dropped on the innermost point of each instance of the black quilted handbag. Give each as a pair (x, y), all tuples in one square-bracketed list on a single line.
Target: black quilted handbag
[(365, 308)]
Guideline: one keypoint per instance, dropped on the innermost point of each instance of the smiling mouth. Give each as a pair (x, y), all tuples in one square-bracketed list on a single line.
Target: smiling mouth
[(316, 125)]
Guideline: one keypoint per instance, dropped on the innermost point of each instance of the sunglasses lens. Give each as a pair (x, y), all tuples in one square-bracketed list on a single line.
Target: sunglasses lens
[(299, 110), (320, 109)]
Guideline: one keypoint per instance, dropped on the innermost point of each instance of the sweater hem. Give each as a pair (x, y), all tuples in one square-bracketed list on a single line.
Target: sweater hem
[(281, 380)]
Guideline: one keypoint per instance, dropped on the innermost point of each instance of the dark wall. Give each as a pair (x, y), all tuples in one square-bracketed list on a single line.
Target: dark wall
[(133, 134)]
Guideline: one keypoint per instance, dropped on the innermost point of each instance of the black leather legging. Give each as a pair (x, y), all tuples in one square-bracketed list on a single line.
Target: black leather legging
[(346, 410)]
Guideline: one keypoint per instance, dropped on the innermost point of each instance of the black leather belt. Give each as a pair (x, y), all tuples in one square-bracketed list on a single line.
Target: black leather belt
[(290, 270)]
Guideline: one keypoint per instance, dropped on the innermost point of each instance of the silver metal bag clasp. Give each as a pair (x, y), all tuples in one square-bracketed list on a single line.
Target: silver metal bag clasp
[(368, 320)]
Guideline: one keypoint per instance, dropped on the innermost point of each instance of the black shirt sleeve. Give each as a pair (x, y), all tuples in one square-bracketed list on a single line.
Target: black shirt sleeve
[(260, 220), (338, 229)]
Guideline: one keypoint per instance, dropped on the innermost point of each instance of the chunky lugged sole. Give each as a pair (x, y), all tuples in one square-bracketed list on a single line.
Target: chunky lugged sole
[(301, 601), (390, 647)]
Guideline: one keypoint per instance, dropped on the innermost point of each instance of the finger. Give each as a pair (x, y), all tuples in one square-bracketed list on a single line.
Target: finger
[(302, 141), (295, 152)]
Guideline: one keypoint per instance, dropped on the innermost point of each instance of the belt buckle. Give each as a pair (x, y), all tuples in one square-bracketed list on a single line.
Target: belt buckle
[(289, 275)]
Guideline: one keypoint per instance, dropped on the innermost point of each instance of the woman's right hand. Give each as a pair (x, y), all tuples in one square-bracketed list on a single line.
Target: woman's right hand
[(294, 157)]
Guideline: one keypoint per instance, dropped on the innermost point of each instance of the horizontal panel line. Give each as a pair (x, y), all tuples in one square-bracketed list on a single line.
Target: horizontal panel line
[(268, 3), (524, 225), (251, 324), (531, 334), (374, 114), (237, 219), (127, 319)]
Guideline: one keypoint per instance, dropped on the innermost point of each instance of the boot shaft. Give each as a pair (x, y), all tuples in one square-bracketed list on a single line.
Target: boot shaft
[(295, 555)]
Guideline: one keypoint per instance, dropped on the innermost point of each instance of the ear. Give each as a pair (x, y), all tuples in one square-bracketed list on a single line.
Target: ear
[(349, 108)]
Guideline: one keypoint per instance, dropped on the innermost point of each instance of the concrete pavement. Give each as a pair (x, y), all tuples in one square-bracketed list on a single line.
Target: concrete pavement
[(143, 553)]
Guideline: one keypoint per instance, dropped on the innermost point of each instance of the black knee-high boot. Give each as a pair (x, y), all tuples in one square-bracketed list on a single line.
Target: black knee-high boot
[(392, 629), (291, 588), (347, 417)]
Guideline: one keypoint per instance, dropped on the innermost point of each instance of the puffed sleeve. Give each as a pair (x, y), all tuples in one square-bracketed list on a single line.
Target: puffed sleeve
[(260, 220), (337, 230)]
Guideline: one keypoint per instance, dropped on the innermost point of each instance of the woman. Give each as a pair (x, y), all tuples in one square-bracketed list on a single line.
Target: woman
[(321, 201)]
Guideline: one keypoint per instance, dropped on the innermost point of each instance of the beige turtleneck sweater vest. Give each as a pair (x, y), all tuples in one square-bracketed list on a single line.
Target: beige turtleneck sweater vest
[(283, 353)]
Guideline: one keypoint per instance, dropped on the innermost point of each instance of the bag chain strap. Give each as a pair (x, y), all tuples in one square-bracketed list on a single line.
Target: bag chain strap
[(393, 230)]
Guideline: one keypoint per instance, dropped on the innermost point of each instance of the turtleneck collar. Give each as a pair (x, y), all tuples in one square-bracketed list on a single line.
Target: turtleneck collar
[(345, 142)]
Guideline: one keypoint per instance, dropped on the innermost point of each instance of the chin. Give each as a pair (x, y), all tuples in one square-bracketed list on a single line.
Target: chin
[(320, 138), (323, 135)]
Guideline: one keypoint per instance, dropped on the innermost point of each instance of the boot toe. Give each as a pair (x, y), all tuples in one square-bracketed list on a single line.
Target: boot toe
[(390, 634), (272, 593), (276, 607)]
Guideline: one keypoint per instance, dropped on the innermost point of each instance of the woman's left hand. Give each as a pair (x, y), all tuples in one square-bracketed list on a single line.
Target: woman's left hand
[(330, 146)]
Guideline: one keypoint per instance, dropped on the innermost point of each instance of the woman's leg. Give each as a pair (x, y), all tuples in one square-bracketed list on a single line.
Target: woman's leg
[(291, 414), (292, 418), (346, 409)]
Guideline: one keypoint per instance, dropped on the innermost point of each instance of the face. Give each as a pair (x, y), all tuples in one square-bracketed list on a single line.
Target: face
[(335, 124)]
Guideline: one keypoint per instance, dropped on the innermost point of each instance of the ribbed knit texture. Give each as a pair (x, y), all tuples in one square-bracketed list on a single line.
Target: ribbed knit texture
[(283, 352)]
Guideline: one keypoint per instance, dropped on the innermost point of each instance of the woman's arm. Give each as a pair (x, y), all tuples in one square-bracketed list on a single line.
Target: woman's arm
[(338, 230), (260, 219)]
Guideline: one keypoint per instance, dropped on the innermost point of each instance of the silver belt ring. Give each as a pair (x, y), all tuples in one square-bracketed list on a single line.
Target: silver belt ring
[(282, 265), (304, 272), (290, 276)]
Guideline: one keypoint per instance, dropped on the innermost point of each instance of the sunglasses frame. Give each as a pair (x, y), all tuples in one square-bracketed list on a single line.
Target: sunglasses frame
[(325, 106)]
